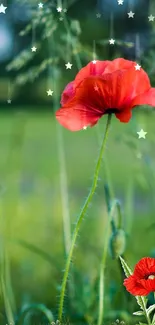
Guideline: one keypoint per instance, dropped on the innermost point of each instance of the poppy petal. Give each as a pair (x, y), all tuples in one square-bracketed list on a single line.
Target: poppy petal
[(118, 64), (91, 69), (87, 98), (124, 116), (77, 117), (67, 93), (144, 267), (147, 98), (149, 284), (112, 91), (135, 287), (103, 93), (116, 89), (137, 81), (94, 97)]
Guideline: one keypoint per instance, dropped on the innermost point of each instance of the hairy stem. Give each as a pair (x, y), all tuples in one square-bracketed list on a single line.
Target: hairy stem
[(80, 218), (103, 261), (145, 312), (102, 273)]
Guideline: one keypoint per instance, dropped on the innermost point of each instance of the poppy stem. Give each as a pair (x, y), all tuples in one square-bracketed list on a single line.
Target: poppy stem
[(145, 311), (103, 261), (80, 218)]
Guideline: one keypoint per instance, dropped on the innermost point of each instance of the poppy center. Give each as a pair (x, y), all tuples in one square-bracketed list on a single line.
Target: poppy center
[(151, 277), (111, 110)]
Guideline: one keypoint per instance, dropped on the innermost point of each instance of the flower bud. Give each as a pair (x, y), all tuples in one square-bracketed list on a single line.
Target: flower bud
[(117, 243)]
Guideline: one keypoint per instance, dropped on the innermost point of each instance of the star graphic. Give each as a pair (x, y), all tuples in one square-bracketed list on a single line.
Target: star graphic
[(61, 18), (94, 61), (85, 128), (151, 18), (34, 49), (96, 88), (120, 2), (131, 14), (49, 92), (59, 9), (68, 65), (40, 5), (2, 9), (65, 10), (9, 101), (112, 41), (139, 155), (141, 134), (137, 67), (98, 15)]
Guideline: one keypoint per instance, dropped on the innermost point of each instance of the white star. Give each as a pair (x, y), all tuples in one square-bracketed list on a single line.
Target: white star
[(139, 155), (59, 9), (2, 9), (120, 2), (49, 92), (112, 41), (151, 18), (141, 134), (98, 15), (137, 67), (68, 65), (85, 128), (94, 61), (96, 88), (40, 5), (65, 10), (9, 101), (61, 18), (131, 14), (34, 49)]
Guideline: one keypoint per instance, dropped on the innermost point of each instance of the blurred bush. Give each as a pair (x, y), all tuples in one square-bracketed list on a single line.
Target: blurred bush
[(65, 36)]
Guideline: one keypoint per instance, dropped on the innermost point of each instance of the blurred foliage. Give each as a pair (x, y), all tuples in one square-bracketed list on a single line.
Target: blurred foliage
[(131, 164), (59, 39), (54, 35)]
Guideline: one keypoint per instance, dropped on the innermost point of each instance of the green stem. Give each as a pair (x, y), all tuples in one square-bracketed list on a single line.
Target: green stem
[(103, 263), (148, 319), (119, 212), (143, 305), (101, 283), (109, 191), (145, 312), (80, 218)]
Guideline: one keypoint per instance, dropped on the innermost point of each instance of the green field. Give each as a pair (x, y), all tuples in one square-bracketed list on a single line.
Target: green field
[(45, 174)]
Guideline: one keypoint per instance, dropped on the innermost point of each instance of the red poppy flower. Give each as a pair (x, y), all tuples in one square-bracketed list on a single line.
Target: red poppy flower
[(102, 88), (142, 281)]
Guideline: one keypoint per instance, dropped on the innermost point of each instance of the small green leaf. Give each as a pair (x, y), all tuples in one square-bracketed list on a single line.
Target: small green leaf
[(126, 268), (141, 301), (138, 313), (75, 27), (150, 309), (153, 320)]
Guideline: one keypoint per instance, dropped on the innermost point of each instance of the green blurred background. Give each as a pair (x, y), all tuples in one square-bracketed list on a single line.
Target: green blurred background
[(46, 171)]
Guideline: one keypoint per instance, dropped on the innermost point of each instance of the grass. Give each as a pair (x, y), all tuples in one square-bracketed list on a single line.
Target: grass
[(31, 224)]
